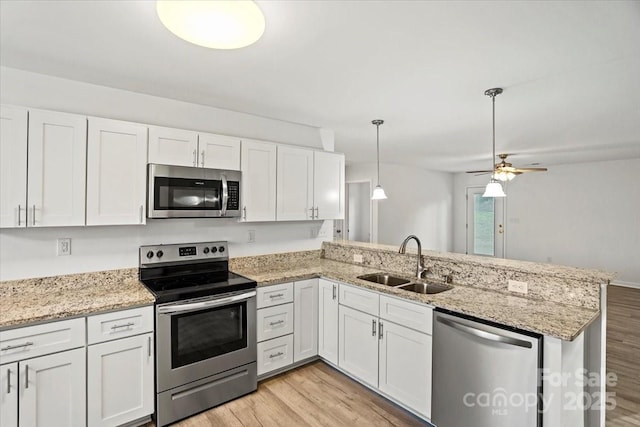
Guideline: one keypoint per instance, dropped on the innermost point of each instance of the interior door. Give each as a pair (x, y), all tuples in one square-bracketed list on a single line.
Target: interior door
[(485, 224)]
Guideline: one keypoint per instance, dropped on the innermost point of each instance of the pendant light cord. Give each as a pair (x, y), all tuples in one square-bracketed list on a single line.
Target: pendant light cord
[(493, 159), (378, 150)]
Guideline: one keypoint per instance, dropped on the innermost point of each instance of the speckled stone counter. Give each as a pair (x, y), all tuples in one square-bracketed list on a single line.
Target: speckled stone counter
[(562, 321), (23, 302)]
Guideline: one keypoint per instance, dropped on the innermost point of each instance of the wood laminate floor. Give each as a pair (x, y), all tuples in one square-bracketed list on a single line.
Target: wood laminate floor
[(312, 395), (623, 354)]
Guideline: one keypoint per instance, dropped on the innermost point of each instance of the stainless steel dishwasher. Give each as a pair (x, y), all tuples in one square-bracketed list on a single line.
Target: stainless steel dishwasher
[(484, 375)]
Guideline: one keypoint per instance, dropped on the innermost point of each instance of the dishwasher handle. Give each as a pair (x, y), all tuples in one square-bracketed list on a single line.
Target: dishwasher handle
[(484, 334)]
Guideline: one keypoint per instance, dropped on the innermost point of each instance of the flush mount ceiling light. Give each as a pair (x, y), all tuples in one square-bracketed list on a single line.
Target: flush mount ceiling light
[(494, 188), (378, 192), (218, 24)]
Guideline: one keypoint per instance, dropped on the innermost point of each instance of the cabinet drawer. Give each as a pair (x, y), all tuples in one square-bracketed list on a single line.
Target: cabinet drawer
[(275, 354), (360, 299), (275, 321), (275, 294), (31, 341), (405, 313), (119, 324)]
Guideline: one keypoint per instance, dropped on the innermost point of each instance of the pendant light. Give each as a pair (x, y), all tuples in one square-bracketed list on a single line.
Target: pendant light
[(494, 188), (378, 192)]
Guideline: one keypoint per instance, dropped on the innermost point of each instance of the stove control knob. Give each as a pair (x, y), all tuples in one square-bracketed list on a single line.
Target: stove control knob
[(221, 249), (159, 254), (206, 250), (150, 254), (214, 249)]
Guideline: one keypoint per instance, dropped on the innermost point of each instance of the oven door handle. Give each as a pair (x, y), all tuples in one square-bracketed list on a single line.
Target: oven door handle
[(182, 308), (225, 195)]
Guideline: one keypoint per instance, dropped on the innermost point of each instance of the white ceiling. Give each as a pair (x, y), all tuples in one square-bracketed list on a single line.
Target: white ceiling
[(570, 71)]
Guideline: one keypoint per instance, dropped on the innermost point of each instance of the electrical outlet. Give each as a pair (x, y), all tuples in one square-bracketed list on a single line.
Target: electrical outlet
[(358, 258), (64, 246), (516, 286), (251, 238)]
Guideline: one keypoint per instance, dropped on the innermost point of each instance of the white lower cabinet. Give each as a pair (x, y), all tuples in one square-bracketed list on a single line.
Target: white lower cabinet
[(305, 316), (52, 390), (275, 354), (358, 344), (9, 395), (120, 384), (328, 320)]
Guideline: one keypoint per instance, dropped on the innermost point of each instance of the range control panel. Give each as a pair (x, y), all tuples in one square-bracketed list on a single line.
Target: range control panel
[(155, 254)]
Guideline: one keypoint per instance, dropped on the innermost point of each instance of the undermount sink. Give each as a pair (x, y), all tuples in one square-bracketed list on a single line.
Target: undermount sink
[(384, 279), (426, 288)]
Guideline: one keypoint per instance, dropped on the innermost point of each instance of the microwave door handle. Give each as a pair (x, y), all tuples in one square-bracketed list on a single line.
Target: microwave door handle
[(182, 308), (225, 195)]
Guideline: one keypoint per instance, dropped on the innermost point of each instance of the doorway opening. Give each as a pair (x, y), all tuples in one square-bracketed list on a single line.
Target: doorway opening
[(485, 224), (358, 219)]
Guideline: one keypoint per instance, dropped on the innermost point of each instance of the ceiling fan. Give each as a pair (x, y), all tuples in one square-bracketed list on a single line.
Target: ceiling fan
[(504, 171)]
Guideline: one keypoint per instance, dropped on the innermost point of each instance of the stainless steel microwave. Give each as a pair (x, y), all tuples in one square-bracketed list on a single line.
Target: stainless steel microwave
[(190, 192)]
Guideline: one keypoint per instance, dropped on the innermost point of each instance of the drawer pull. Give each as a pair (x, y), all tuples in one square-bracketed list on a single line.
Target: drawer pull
[(276, 323), (13, 347), (126, 325), (278, 354), (276, 296)]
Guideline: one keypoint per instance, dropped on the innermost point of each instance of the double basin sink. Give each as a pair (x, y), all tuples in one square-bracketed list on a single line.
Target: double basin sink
[(421, 287)]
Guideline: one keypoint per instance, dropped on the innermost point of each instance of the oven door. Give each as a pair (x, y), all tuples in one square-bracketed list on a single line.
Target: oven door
[(203, 337)]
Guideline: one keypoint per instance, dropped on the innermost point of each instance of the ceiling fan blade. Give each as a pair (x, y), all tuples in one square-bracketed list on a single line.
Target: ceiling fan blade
[(479, 171), (483, 173), (530, 170)]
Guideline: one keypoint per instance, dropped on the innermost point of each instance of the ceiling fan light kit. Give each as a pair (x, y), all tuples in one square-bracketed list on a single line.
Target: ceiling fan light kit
[(378, 192), (217, 24)]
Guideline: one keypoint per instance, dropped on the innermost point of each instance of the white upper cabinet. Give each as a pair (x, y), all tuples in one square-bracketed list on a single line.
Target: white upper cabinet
[(168, 146), (178, 147), (258, 165), (56, 179), (218, 151), (116, 172), (328, 185), (13, 166), (295, 184)]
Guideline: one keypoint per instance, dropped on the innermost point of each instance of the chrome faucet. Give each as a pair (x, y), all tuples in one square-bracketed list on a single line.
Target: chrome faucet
[(420, 269)]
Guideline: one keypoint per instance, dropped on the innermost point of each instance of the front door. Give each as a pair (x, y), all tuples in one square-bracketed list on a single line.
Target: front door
[(485, 224)]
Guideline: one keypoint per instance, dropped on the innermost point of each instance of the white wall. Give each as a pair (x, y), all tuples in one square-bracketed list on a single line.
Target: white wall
[(359, 211), (419, 202), (32, 252), (583, 215)]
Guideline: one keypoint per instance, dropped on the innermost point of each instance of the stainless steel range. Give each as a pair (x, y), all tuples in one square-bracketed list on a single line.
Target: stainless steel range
[(205, 328)]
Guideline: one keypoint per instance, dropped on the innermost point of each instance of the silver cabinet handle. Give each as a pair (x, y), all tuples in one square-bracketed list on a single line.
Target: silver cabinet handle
[(33, 215), (126, 325), (311, 212), (202, 158), (484, 334), (8, 381), (149, 346), (276, 296), (26, 376), (381, 329), (244, 213), (317, 213), (276, 323), (13, 347), (334, 291), (373, 328), (19, 215), (141, 211), (195, 153), (271, 356)]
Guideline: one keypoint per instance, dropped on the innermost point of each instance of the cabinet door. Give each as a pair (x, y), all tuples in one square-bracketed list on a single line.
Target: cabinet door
[(120, 380), (358, 344), (13, 166), (116, 172), (258, 181), (218, 152), (305, 315), (176, 147), (328, 320), (405, 366), (328, 185), (52, 390), (57, 169), (295, 184), (9, 395)]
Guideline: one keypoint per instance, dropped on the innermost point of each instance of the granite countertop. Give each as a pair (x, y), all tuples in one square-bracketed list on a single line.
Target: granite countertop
[(557, 320), (27, 301)]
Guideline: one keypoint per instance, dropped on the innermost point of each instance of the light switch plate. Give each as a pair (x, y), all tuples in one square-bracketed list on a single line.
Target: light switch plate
[(520, 287), (358, 258), (64, 246)]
